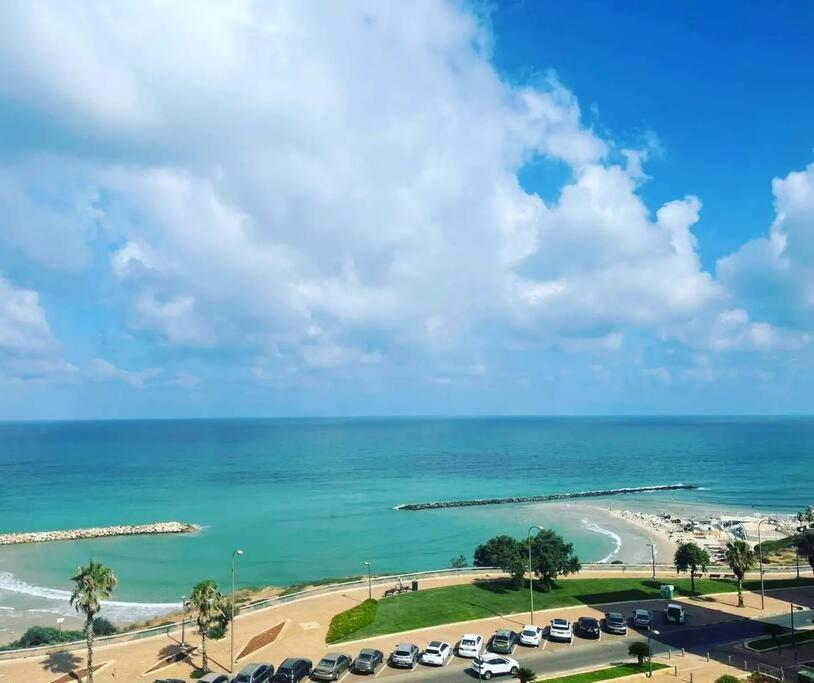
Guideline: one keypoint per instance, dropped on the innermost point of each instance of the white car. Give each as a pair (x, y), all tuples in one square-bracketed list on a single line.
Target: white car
[(495, 665), (561, 629), (675, 613), (437, 653), (470, 645), (531, 636)]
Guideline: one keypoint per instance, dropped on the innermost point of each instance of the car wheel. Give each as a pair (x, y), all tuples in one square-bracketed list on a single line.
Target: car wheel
[(486, 675), (513, 672)]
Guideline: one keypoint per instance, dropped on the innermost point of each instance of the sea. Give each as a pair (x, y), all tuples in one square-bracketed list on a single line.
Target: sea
[(307, 499)]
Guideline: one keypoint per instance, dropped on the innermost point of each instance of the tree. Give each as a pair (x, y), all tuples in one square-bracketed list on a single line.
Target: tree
[(805, 545), (92, 584), (458, 562), (525, 675), (208, 607), (689, 557), (506, 553), (740, 558), (773, 630), (551, 557), (639, 649), (727, 678)]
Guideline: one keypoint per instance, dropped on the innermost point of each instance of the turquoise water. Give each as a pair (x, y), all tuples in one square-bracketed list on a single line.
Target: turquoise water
[(308, 499)]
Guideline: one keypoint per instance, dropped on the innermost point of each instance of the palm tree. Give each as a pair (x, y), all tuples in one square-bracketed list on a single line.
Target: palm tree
[(805, 545), (740, 558), (208, 606), (92, 584), (525, 675)]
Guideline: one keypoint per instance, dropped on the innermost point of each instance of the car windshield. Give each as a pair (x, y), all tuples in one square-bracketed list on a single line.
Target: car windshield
[(615, 617), (366, 656), (467, 642), (559, 623), (402, 653), (433, 651), (327, 663), (673, 611), (529, 632), (590, 622)]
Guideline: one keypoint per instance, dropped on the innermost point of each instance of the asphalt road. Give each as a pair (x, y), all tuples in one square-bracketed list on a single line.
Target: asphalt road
[(555, 658)]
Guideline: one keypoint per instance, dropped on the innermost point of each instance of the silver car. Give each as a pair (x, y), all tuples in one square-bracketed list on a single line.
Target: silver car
[(404, 656)]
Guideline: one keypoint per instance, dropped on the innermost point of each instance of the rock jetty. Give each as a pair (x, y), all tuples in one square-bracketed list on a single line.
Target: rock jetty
[(98, 532), (540, 499)]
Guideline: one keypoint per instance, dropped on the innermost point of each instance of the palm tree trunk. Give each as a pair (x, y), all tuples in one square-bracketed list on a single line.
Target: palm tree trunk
[(89, 638), (740, 592), (692, 581), (204, 656)]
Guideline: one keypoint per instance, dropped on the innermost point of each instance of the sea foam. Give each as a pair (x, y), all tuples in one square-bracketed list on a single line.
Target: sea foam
[(594, 527)]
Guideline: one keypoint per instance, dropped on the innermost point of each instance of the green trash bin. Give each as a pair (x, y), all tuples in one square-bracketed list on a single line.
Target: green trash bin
[(667, 591), (805, 676)]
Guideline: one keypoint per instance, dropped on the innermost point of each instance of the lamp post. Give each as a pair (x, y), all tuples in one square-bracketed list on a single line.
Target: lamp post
[(369, 582), (232, 629), (531, 575), (650, 652), (653, 557), (760, 558), (183, 619)]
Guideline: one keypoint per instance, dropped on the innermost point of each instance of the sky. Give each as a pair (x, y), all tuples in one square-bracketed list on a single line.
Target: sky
[(383, 208)]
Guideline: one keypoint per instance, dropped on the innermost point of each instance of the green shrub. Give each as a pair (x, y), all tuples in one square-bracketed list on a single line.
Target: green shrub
[(103, 627), (727, 678), (351, 620)]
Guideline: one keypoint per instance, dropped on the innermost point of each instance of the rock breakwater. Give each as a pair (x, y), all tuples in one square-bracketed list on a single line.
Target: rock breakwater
[(541, 499), (98, 532)]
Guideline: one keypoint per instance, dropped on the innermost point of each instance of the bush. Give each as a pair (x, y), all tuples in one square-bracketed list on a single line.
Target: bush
[(640, 650), (351, 620), (726, 678), (102, 627), (458, 562), (37, 636)]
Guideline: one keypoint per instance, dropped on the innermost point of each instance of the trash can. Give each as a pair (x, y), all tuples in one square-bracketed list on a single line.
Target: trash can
[(805, 676), (415, 585), (667, 591)]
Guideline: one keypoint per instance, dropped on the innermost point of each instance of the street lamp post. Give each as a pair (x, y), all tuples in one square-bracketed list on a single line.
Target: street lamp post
[(183, 620), (650, 652), (235, 554), (369, 582), (531, 575), (760, 558), (653, 557)]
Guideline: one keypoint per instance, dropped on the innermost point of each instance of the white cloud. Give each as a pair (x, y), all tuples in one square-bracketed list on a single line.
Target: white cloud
[(101, 370), (24, 329), (337, 185)]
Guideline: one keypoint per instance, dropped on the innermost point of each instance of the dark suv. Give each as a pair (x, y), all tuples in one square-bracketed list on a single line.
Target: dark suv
[(292, 670), (588, 627), (504, 641), (255, 673)]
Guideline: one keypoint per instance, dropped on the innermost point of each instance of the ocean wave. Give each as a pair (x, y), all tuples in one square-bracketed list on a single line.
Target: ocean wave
[(595, 528), (116, 610)]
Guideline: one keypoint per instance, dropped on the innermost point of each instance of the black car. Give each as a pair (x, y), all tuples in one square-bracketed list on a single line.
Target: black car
[(367, 661), (588, 627), (504, 641), (292, 670), (255, 673)]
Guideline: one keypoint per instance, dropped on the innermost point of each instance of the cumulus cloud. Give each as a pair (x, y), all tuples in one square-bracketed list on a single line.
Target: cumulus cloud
[(325, 185), (24, 329)]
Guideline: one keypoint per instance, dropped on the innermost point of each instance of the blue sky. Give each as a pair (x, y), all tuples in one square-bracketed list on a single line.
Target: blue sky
[(414, 208)]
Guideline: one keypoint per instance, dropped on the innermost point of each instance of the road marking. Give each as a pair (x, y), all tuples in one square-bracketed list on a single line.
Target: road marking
[(545, 644), (346, 674), (381, 668)]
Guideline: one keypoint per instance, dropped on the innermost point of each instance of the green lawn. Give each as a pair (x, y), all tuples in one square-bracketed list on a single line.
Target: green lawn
[(494, 598), (768, 643), (604, 674)]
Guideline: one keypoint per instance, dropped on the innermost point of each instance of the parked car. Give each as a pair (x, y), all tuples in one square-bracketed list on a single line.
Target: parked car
[(589, 627), (615, 623), (404, 656), (675, 613), (292, 670), (470, 645), (367, 661), (215, 678), (495, 665), (642, 618), (504, 641), (437, 653), (331, 667), (255, 673), (561, 630), (531, 636)]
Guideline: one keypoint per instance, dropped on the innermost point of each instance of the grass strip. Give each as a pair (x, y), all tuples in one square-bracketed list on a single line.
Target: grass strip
[(483, 599), (768, 643), (617, 671), (351, 620)]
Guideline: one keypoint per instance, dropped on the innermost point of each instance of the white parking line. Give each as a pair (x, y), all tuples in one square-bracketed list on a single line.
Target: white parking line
[(545, 644), (383, 667), (346, 674)]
